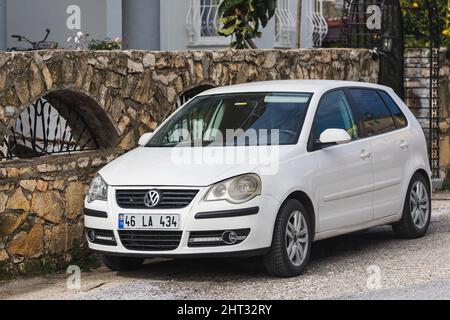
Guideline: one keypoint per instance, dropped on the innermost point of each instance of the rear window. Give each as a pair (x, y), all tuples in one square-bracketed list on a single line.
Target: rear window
[(376, 117), (397, 114)]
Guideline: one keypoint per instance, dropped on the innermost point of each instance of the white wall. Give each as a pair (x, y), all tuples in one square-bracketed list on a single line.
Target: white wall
[(3, 33), (30, 18), (174, 35), (141, 24), (145, 24), (306, 27)]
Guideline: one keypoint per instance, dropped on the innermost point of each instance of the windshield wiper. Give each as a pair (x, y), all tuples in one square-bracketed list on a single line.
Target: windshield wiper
[(192, 143)]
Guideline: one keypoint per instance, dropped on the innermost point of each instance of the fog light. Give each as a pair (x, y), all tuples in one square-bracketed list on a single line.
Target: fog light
[(90, 234), (105, 238), (217, 237), (229, 237)]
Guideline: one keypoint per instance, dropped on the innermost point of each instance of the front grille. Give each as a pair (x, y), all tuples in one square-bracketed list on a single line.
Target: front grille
[(150, 240), (170, 198)]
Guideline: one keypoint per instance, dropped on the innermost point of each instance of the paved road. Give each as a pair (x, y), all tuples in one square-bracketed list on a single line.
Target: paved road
[(366, 265)]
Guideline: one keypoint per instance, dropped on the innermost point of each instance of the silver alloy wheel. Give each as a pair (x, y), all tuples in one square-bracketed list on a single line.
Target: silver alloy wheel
[(419, 204), (297, 238)]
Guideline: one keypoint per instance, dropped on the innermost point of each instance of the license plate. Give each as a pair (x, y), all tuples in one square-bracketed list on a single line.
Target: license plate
[(148, 221)]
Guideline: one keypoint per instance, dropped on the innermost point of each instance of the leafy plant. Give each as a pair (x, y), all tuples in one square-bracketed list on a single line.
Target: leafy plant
[(83, 41), (416, 24), (79, 41), (242, 19), (106, 44), (83, 257)]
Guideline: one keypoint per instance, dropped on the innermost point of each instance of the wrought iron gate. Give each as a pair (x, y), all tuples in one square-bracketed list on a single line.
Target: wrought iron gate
[(377, 24), (422, 64), (415, 79), (47, 127), (189, 94)]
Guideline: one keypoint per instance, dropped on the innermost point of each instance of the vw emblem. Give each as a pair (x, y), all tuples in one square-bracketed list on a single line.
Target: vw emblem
[(152, 198)]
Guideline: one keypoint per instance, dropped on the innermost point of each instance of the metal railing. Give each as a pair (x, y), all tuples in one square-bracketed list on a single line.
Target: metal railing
[(202, 23)]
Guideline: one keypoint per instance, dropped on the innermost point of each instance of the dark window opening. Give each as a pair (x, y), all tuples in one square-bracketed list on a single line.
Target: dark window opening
[(334, 112), (62, 122), (376, 117), (189, 94), (397, 114), (251, 117)]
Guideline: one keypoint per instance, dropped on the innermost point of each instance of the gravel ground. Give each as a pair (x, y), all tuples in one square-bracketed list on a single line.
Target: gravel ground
[(340, 268)]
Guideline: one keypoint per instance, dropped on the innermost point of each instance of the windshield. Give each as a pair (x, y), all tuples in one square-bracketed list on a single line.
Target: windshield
[(236, 120)]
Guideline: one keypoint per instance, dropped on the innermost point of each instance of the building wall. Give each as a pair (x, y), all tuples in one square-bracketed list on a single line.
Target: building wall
[(174, 34), (30, 18), (141, 24), (416, 89), (3, 33)]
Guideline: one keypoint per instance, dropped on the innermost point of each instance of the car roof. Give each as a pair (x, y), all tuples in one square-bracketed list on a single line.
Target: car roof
[(306, 86)]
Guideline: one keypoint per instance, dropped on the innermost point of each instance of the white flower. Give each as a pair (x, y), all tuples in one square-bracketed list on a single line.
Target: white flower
[(77, 40), (117, 39), (79, 34), (69, 39)]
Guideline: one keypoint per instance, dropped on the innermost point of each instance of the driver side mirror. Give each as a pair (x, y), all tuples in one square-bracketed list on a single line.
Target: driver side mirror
[(145, 138), (334, 136)]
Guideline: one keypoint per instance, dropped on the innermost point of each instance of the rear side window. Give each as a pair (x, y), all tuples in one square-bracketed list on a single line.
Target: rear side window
[(397, 114), (376, 117)]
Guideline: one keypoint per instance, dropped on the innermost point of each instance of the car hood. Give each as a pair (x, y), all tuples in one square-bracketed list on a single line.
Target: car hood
[(175, 166)]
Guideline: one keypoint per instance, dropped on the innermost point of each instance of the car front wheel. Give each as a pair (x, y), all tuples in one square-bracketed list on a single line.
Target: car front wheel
[(291, 243)]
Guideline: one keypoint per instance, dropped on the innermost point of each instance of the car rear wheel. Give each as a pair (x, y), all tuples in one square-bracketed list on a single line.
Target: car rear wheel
[(122, 263), (291, 243), (417, 210)]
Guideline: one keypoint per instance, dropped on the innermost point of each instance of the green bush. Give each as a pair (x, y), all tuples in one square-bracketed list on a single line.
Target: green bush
[(106, 44), (242, 19), (416, 25)]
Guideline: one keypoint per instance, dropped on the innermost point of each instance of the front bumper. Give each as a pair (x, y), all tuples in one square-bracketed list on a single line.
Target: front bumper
[(198, 217)]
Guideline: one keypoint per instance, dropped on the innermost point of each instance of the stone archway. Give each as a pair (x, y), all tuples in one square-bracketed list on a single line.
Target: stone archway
[(61, 122), (192, 92)]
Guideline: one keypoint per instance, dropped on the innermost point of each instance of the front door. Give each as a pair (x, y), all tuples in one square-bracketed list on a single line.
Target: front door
[(344, 177)]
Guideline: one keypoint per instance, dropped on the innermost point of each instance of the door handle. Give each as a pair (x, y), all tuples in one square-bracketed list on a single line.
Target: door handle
[(365, 154), (404, 145)]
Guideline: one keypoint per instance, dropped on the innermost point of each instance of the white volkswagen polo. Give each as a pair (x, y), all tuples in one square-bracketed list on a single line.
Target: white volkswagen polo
[(265, 169)]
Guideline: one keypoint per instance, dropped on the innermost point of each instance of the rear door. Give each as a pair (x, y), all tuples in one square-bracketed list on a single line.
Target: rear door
[(382, 122)]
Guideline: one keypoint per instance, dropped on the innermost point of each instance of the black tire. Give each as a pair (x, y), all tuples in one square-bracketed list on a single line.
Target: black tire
[(114, 263), (277, 262), (406, 228)]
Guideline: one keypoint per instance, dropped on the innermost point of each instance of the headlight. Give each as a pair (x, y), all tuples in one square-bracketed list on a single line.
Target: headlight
[(98, 190), (235, 190)]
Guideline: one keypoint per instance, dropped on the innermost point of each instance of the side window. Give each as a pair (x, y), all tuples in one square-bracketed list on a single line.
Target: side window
[(334, 112), (376, 117), (399, 117)]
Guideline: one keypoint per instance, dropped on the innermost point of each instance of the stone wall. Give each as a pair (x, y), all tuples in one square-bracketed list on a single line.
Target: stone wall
[(121, 94), (445, 115), (420, 107), (41, 206)]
